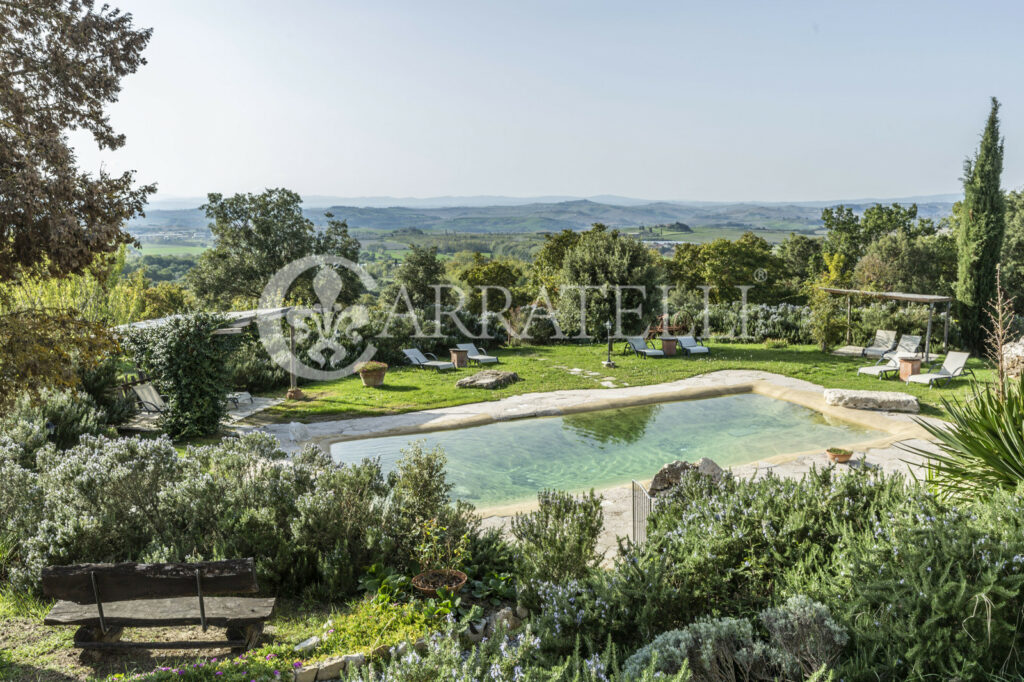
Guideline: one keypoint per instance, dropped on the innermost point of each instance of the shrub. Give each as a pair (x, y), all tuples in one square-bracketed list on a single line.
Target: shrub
[(774, 344), (251, 369), (933, 590), (805, 632), (312, 526), (803, 640), (60, 416), (714, 650), (558, 542), (740, 546), (190, 366), (983, 449), (103, 385)]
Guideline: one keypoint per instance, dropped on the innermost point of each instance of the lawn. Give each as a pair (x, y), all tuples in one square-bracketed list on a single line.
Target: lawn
[(545, 368)]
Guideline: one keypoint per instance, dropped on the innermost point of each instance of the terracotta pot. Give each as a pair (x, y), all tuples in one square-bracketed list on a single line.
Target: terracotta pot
[(839, 456), (429, 582), (373, 378)]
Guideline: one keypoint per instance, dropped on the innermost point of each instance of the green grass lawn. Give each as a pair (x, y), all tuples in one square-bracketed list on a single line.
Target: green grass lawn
[(544, 368)]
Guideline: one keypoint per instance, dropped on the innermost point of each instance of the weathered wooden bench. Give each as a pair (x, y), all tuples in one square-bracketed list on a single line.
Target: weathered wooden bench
[(106, 598)]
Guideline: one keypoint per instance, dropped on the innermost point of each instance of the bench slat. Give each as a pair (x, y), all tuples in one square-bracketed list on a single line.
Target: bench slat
[(220, 612), (127, 581)]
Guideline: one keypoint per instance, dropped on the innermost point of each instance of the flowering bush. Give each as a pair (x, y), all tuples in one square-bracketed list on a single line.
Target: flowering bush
[(926, 588), (60, 416), (558, 542), (311, 525)]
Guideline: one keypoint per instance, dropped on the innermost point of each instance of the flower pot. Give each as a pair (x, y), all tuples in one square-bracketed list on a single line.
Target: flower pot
[(429, 582), (838, 455), (373, 378)]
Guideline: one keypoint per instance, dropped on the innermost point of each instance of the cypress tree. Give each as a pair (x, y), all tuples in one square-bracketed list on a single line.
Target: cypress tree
[(979, 235)]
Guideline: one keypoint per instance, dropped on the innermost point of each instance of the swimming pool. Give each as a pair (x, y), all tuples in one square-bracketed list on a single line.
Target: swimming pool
[(508, 462)]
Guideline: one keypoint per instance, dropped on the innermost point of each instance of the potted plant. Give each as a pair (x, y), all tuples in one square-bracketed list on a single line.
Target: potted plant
[(440, 555), (839, 454), (372, 372)]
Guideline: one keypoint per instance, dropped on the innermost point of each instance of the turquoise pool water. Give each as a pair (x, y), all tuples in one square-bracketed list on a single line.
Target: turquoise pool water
[(509, 462)]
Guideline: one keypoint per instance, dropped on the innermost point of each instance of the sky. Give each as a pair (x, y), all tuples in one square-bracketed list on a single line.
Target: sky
[(709, 101)]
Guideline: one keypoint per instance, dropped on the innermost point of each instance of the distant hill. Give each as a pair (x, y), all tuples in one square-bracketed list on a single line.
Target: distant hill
[(553, 216)]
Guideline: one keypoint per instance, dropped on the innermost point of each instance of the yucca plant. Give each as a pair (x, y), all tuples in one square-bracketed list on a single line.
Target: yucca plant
[(983, 447)]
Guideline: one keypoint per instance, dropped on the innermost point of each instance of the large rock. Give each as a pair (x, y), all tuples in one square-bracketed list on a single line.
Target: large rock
[(672, 473), (488, 378), (1013, 358), (890, 401)]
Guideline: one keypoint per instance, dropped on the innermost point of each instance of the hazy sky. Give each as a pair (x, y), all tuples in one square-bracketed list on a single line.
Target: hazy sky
[(669, 100)]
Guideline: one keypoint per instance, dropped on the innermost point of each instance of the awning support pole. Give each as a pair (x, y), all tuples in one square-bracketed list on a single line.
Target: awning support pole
[(928, 334), (849, 322), (945, 331)]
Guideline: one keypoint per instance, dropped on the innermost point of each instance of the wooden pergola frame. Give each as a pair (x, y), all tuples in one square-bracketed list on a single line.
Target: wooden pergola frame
[(930, 299)]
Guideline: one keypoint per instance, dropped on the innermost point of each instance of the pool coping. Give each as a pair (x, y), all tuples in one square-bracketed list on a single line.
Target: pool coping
[(896, 426)]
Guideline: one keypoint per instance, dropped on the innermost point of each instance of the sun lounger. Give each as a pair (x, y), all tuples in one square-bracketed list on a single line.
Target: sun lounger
[(891, 366), (691, 345), (421, 360), (908, 345), (953, 366), (639, 347), (884, 342), (148, 398), (476, 355)]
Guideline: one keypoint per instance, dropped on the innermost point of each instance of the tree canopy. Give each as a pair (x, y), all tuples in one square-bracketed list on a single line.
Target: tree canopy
[(61, 64), (979, 235), (258, 234), (605, 259)]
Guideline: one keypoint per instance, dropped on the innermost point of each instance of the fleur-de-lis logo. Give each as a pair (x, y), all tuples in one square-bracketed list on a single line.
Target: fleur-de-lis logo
[(324, 328)]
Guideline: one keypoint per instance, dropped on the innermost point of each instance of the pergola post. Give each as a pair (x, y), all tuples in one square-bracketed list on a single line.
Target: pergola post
[(291, 360), (945, 331), (849, 322), (928, 334)]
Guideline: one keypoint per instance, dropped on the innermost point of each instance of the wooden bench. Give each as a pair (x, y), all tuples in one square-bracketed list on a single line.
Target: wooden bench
[(106, 598)]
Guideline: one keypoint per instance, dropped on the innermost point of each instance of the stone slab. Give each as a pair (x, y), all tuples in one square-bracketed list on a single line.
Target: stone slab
[(887, 401)]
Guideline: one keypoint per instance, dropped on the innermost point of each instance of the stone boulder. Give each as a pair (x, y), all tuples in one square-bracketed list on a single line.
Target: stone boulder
[(488, 378), (1013, 358), (889, 401), (672, 473)]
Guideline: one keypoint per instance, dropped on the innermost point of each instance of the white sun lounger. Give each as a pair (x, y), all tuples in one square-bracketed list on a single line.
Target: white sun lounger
[(891, 366), (419, 359), (476, 355), (148, 398), (884, 342), (908, 345), (953, 366)]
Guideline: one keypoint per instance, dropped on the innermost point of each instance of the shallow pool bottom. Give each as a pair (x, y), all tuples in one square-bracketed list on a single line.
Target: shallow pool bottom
[(508, 462)]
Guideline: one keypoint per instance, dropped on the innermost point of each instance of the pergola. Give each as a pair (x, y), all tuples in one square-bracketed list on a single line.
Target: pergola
[(930, 299), (237, 320)]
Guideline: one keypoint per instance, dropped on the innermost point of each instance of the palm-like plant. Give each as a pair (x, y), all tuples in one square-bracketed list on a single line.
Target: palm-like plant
[(983, 447)]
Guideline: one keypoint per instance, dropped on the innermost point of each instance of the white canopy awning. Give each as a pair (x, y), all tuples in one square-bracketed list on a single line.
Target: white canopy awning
[(237, 318)]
